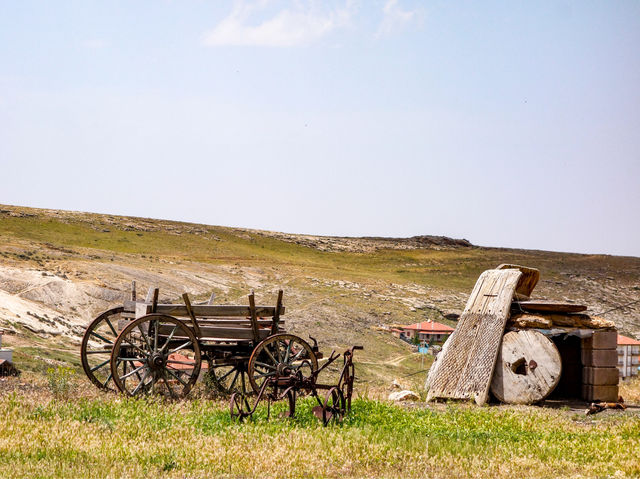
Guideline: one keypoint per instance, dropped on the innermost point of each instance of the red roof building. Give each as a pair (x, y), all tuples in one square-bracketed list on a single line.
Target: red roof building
[(628, 356), (427, 331)]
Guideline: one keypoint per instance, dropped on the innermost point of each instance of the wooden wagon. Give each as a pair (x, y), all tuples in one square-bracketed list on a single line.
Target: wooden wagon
[(144, 347)]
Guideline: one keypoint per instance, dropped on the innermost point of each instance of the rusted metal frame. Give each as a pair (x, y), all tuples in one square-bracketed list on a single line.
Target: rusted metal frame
[(194, 321)]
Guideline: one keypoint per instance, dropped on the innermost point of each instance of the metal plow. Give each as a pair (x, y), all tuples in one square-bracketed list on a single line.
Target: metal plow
[(283, 376)]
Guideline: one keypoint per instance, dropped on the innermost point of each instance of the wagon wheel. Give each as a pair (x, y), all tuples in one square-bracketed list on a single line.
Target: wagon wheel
[(239, 407), (156, 354), (333, 408), (95, 350), (282, 354), (229, 377)]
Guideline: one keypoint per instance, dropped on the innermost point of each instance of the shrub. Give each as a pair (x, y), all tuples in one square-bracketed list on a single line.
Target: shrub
[(59, 380)]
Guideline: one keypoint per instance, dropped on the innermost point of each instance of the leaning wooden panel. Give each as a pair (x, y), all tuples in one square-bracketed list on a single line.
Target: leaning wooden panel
[(465, 366)]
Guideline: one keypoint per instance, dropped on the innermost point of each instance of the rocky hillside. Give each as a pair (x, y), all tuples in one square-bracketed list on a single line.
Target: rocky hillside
[(59, 269)]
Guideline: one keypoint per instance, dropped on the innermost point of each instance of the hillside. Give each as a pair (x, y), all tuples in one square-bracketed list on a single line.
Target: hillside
[(59, 269)]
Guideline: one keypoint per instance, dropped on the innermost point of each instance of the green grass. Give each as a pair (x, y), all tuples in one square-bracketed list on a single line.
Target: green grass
[(109, 436), (454, 269)]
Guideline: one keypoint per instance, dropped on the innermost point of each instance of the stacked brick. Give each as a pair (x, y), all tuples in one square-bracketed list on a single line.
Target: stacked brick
[(600, 374)]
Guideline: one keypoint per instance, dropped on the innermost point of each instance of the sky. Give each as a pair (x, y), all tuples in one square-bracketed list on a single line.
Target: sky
[(512, 124)]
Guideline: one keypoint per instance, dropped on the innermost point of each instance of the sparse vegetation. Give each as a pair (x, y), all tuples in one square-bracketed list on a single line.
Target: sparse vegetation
[(102, 435), (60, 381)]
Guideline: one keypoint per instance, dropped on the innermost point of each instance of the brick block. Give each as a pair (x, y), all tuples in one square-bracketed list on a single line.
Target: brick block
[(600, 376), (600, 358), (601, 340), (599, 393)]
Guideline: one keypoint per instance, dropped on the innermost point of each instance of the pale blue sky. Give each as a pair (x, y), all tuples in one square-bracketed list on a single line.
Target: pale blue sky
[(512, 124)]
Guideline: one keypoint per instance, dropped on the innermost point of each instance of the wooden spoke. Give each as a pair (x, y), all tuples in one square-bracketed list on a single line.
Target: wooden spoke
[(93, 333), (166, 381), (185, 345), (104, 363), (131, 373), (144, 336), (113, 330), (166, 344)]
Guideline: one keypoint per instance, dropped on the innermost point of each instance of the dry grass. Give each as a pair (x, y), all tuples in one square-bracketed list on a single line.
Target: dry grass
[(630, 390), (96, 435)]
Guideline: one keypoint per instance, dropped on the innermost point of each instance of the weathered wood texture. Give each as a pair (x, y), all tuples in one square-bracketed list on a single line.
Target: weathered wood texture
[(549, 306), (204, 310), (529, 321), (213, 333), (546, 321), (528, 280), (528, 368), (465, 366)]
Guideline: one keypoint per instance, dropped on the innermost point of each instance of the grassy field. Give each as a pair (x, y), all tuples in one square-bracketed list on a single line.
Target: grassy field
[(93, 435)]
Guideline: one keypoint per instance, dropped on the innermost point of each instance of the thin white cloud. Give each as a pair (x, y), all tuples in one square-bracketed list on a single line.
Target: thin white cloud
[(395, 18), (300, 25)]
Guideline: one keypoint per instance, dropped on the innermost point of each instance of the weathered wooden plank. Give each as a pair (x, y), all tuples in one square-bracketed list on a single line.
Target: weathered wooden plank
[(549, 306), (528, 368), (194, 320), (254, 317), (569, 320), (276, 317), (528, 280), (208, 332), (465, 366), (530, 321), (205, 310)]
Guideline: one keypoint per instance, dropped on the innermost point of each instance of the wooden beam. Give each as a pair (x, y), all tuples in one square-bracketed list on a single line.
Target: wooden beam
[(194, 321), (154, 302), (212, 333), (254, 317), (204, 310), (276, 316), (149, 297)]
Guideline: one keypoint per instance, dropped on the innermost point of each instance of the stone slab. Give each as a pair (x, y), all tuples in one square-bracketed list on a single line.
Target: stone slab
[(601, 340), (600, 376), (600, 358), (600, 393)]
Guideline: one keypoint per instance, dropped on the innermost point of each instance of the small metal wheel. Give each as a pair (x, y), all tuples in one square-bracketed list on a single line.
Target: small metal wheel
[(229, 377), (95, 350), (333, 408), (291, 399), (346, 385), (156, 354), (239, 407), (281, 354)]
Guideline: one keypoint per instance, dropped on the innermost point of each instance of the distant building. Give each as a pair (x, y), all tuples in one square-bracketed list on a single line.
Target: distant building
[(426, 331), (5, 354), (628, 356)]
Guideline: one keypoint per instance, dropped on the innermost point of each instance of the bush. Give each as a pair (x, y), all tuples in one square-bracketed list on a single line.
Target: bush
[(59, 380)]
